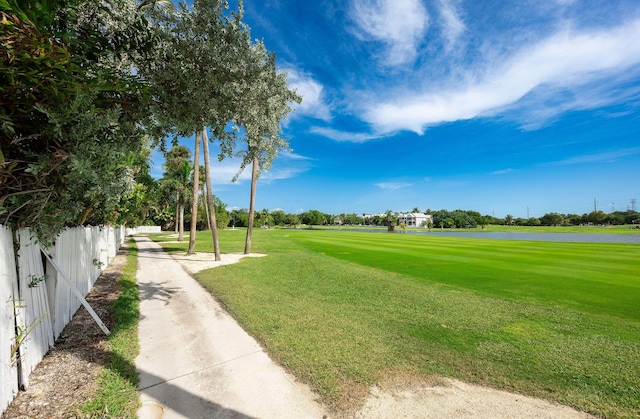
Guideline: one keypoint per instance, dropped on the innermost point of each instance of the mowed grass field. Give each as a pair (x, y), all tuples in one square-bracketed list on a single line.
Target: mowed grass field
[(343, 310)]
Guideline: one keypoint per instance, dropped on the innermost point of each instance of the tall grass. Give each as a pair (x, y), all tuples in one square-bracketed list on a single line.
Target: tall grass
[(345, 310)]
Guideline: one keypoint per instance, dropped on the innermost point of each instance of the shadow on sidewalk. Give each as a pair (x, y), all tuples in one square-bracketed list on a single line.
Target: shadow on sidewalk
[(156, 291), (182, 401)]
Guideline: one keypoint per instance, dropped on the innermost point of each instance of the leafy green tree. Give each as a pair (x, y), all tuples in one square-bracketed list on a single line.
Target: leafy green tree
[(533, 221), (279, 217), (552, 219), (573, 219), (222, 215), (202, 62), (508, 219), (353, 219), (265, 103), (390, 220), (72, 112), (140, 206), (312, 218), (596, 217), (178, 174), (292, 219), (240, 217)]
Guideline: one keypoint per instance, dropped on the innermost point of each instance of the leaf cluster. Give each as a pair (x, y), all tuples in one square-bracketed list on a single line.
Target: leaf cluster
[(72, 109)]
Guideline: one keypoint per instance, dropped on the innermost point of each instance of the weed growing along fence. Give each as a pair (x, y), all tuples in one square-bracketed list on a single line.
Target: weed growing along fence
[(38, 303)]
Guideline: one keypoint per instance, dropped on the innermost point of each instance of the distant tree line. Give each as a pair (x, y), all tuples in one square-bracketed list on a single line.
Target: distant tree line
[(167, 202), (441, 219)]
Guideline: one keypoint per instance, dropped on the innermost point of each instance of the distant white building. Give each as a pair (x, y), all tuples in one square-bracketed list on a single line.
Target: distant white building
[(415, 219)]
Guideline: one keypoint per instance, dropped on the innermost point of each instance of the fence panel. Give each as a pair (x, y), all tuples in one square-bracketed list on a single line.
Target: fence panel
[(62, 300), (36, 307), (34, 330), (8, 277)]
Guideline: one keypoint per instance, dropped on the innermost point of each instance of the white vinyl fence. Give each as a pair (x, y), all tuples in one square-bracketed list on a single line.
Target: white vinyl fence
[(42, 291)]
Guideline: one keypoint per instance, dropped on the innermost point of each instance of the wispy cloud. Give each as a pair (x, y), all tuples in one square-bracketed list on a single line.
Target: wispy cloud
[(452, 24), (313, 96), (288, 165), (337, 135), (502, 172), (399, 24), (566, 59), (392, 186), (222, 172), (282, 173), (604, 157), (294, 156)]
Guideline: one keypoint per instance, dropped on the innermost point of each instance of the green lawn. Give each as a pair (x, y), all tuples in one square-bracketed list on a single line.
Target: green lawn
[(343, 310)]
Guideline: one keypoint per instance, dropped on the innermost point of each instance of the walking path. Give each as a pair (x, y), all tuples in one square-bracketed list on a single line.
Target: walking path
[(195, 361)]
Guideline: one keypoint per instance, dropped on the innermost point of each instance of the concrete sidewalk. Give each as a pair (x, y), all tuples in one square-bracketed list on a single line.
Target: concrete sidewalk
[(195, 361)]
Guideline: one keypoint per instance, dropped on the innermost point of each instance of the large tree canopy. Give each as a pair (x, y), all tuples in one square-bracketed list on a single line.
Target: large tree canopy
[(87, 85), (72, 111)]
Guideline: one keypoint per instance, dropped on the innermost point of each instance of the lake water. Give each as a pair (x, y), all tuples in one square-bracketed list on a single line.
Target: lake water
[(552, 237)]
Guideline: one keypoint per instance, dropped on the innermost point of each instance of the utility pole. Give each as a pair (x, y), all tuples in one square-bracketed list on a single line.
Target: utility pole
[(633, 205), (527, 212), (595, 205)]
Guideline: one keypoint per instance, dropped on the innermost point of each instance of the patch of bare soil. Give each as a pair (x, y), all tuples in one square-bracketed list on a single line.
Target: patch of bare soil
[(445, 398), (68, 374)]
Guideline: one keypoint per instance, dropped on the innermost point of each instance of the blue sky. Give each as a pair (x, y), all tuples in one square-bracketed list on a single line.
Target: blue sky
[(503, 107)]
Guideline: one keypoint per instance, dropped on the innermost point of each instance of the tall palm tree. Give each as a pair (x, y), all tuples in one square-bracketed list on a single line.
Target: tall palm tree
[(508, 220), (178, 176), (194, 197)]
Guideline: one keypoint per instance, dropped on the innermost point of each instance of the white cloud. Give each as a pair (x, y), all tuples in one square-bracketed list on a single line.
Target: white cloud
[(294, 156), (453, 26), (313, 95), (605, 157), (566, 59), (392, 186), (287, 166), (222, 172), (281, 174), (502, 172), (399, 24), (336, 135)]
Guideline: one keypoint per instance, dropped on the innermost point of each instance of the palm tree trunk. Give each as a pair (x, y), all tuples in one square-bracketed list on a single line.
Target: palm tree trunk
[(181, 217), (212, 211), (252, 200), (205, 204), (194, 204), (177, 221)]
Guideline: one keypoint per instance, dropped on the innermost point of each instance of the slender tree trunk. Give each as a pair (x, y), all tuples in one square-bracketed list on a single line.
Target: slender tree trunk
[(181, 230), (177, 221), (206, 204), (212, 211), (252, 201), (196, 188)]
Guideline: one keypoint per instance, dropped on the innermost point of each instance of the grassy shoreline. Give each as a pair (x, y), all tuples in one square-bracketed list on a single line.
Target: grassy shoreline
[(344, 311)]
